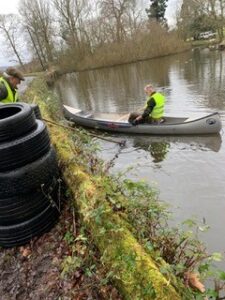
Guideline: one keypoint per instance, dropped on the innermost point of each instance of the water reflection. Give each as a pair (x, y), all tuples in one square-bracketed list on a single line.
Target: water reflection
[(159, 146), (138, 147), (205, 70), (192, 82), (155, 146), (158, 151)]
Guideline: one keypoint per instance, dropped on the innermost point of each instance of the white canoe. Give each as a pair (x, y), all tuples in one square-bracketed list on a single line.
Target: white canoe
[(207, 124)]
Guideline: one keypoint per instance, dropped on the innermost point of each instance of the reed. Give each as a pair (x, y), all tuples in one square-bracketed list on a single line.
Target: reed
[(145, 44)]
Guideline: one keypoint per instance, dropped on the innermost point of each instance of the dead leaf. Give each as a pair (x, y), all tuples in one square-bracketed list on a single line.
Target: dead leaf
[(25, 252), (192, 280)]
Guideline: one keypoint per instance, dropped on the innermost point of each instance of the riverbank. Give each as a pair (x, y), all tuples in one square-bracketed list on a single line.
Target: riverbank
[(151, 41), (115, 242)]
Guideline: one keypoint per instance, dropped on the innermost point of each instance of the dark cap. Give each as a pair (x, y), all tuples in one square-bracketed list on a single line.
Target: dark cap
[(11, 71)]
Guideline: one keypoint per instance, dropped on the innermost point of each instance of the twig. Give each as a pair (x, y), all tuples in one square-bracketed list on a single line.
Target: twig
[(74, 223), (111, 163), (121, 143), (51, 200)]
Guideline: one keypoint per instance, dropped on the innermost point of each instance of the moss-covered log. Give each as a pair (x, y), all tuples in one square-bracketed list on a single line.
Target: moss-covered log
[(134, 271)]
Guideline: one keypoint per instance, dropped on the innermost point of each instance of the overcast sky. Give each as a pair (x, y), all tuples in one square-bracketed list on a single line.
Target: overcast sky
[(11, 6)]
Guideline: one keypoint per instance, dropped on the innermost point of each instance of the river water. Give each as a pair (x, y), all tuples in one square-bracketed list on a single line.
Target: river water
[(188, 171)]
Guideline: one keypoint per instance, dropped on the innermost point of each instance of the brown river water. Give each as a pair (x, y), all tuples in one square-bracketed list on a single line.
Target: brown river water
[(188, 171)]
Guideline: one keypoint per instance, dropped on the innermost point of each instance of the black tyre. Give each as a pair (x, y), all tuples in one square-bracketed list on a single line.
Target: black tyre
[(20, 208), (25, 149), (29, 177), (16, 119), (26, 239), (19, 234), (37, 111)]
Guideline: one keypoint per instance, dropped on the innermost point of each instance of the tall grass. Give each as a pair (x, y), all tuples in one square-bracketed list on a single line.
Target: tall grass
[(145, 44)]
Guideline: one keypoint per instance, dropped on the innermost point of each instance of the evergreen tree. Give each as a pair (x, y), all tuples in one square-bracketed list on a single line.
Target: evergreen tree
[(157, 10)]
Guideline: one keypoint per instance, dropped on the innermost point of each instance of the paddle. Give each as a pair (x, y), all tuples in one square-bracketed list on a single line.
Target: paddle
[(127, 115), (123, 117)]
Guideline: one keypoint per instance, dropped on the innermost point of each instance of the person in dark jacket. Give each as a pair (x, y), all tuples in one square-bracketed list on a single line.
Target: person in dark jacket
[(9, 82), (154, 108)]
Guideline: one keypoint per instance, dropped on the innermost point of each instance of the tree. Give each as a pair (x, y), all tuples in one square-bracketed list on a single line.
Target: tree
[(157, 10), (216, 12), (197, 16), (116, 11), (71, 14), (190, 18), (10, 29), (136, 18), (37, 20)]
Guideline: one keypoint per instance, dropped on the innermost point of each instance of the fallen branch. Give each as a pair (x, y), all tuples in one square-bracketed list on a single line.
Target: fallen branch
[(121, 143)]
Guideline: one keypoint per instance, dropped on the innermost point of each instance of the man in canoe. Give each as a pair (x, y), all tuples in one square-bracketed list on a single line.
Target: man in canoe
[(154, 109), (11, 78)]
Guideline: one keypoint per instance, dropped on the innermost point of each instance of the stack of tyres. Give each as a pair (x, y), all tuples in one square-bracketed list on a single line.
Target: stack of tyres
[(36, 111), (29, 204)]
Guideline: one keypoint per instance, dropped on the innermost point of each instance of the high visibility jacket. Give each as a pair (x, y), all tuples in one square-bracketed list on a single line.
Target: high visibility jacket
[(158, 110), (11, 96)]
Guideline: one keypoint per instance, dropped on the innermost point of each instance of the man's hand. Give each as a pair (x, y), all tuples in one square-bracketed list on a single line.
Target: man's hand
[(134, 122), (137, 120)]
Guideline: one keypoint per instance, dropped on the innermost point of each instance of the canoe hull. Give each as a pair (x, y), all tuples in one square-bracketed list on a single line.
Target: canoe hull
[(181, 126)]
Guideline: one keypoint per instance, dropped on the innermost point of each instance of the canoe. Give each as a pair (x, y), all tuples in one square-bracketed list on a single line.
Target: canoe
[(207, 124)]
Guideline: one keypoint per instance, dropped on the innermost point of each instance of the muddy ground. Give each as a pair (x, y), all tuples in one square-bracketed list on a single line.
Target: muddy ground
[(38, 270)]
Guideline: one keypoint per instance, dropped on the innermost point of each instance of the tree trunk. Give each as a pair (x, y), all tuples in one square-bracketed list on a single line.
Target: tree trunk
[(14, 49), (35, 47)]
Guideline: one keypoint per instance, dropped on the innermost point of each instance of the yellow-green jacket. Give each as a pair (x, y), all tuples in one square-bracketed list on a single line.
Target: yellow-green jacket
[(12, 96), (158, 110)]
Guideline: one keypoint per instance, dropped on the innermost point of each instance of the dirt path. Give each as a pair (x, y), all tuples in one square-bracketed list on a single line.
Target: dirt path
[(35, 270)]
